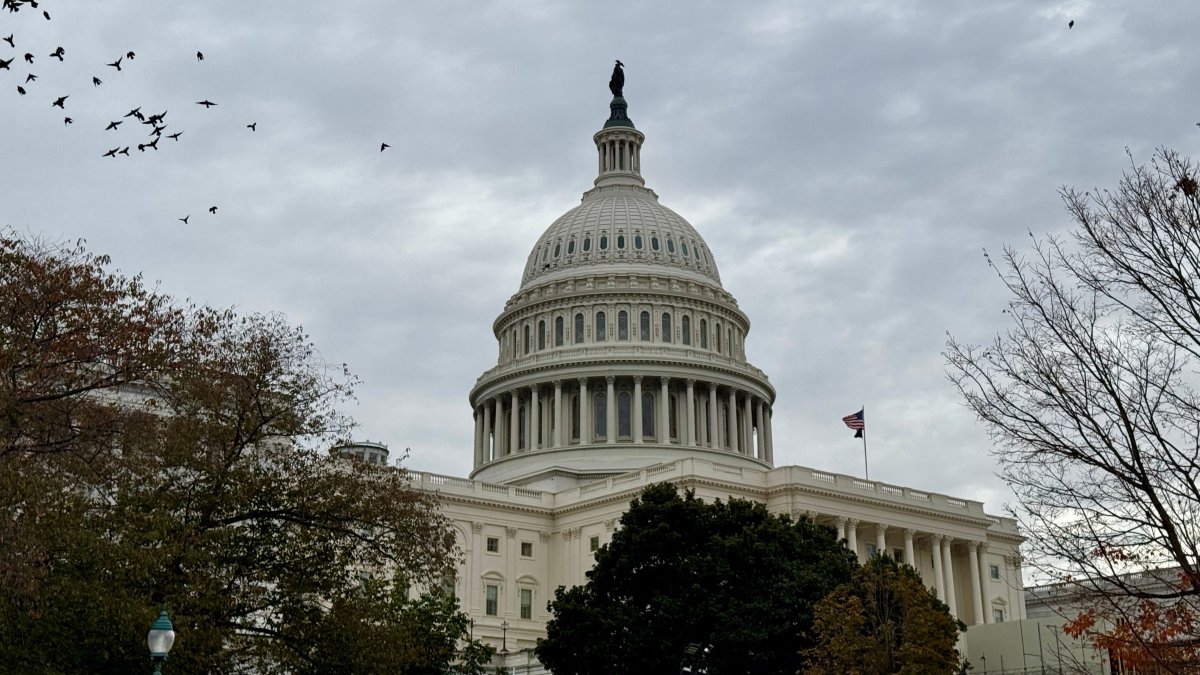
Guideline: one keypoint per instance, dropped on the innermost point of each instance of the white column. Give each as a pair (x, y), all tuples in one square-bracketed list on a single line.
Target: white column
[(948, 571), (852, 536), (714, 440), (533, 429), (983, 582), (637, 409), (938, 582), (909, 557), (747, 425), (501, 428), (976, 599), (478, 415), (841, 527), (770, 457), (585, 413), (514, 424), (487, 431), (732, 434), (664, 415), (881, 539), (610, 408), (690, 423), (558, 414)]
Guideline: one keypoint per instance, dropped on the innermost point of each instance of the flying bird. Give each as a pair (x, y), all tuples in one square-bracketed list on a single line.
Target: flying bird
[(206, 103), (1070, 24), (4, 64), (46, 14), (253, 126), (136, 112), (60, 101), (212, 209), (175, 136), (28, 57), (184, 219), (112, 125), (96, 81), (383, 146), (67, 120), (58, 53), (111, 153), (10, 42), (129, 55), (30, 78), (124, 151), (199, 56), (116, 64), (20, 90)]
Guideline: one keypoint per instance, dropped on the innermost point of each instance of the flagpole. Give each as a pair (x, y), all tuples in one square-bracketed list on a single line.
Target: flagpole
[(866, 469)]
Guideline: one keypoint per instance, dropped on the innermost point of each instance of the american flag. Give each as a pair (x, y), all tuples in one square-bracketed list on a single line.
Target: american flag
[(856, 421)]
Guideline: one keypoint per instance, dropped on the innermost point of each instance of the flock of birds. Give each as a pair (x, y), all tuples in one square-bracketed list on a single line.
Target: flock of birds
[(157, 123)]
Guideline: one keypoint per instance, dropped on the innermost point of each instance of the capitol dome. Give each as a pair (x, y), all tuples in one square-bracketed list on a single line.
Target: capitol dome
[(620, 349)]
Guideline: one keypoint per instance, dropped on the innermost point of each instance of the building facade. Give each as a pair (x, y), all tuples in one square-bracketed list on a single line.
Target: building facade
[(621, 363)]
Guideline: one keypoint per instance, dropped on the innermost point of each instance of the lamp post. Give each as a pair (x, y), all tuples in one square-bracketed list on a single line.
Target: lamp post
[(504, 638), (160, 639)]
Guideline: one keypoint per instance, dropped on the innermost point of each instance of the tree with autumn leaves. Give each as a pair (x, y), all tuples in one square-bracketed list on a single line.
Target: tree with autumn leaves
[(1091, 400), (158, 454)]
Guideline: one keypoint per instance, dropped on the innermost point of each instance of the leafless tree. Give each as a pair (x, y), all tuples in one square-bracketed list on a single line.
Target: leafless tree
[(1090, 396)]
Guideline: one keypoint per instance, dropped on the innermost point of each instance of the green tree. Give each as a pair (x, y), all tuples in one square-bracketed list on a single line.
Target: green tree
[(727, 575), (883, 621), (160, 454), (1090, 397)]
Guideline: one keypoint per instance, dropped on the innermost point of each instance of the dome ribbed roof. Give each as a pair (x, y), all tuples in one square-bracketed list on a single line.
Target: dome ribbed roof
[(620, 225)]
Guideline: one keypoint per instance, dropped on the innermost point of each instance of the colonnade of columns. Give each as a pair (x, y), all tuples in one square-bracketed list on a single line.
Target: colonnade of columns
[(942, 548), (613, 410)]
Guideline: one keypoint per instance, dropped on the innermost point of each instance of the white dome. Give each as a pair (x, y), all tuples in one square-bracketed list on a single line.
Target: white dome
[(619, 225)]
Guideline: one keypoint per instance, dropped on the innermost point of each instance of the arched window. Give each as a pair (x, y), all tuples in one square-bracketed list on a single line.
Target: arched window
[(621, 242), (674, 418), (718, 336), (685, 326), (575, 417), (601, 327), (526, 338), (558, 331), (622, 325), (703, 333), (541, 335), (654, 242), (637, 241), (666, 327), (623, 417), (670, 245), (600, 415), (579, 328), (683, 247), (604, 242), (587, 244), (644, 326), (729, 340), (647, 415)]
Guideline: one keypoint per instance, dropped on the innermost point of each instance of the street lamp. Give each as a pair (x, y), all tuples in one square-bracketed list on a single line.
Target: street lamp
[(160, 638), (504, 637)]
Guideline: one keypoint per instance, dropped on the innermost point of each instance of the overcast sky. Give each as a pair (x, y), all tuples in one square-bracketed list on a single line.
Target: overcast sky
[(846, 162)]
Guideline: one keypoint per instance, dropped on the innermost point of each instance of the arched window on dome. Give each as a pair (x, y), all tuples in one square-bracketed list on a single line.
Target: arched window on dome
[(579, 328), (683, 247), (600, 415), (623, 416), (571, 246), (587, 244), (637, 241), (601, 327), (575, 417), (545, 252), (513, 342), (685, 327), (670, 245), (654, 242), (541, 335), (666, 327), (526, 338), (703, 333), (604, 242), (647, 415), (729, 340), (557, 249), (622, 325), (620, 242), (644, 326), (718, 336), (558, 331)]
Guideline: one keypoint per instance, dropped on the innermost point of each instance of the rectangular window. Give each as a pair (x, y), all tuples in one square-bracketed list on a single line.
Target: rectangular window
[(644, 326), (594, 544), (493, 544), (622, 325), (998, 616), (872, 551), (994, 572), (526, 603), (527, 549), (898, 554), (492, 600)]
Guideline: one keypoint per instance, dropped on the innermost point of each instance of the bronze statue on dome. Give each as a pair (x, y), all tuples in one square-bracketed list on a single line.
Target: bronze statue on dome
[(617, 83)]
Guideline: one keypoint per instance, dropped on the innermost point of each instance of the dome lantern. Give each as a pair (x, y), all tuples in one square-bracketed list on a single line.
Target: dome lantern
[(619, 143)]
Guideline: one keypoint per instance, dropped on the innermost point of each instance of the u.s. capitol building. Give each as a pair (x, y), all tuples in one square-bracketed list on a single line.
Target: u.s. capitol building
[(621, 362)]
